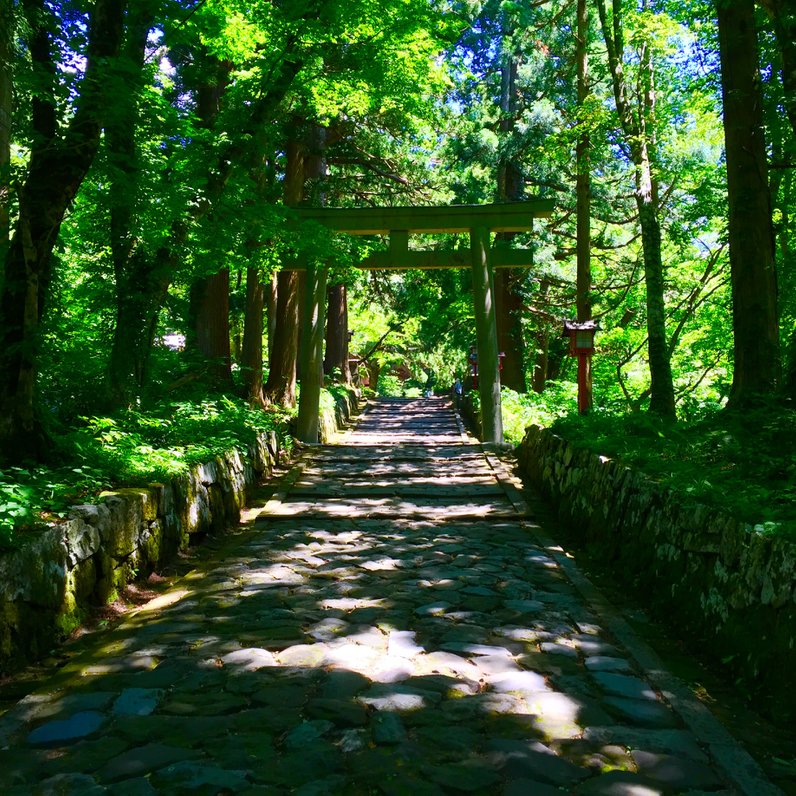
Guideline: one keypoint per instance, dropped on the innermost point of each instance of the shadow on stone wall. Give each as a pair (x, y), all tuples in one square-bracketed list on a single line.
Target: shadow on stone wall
[(725, 583)]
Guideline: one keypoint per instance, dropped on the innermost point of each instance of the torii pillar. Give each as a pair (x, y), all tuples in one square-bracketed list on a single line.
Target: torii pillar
[(486, 336)]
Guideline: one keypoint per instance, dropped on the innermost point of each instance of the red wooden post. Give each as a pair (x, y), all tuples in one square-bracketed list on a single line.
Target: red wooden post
[(584, 383), (581, 345)]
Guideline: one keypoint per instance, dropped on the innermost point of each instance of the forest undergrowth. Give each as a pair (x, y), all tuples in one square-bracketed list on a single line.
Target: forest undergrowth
[(743, 462), (127, 448)]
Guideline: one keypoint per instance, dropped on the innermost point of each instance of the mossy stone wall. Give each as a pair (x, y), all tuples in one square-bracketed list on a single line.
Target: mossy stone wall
[(724, 582), (48, 586)]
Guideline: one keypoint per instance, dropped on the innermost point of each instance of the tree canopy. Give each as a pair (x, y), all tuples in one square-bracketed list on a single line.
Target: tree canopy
[(150, 154)]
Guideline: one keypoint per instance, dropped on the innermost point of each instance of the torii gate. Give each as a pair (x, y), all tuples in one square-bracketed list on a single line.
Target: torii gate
[(399, 222)]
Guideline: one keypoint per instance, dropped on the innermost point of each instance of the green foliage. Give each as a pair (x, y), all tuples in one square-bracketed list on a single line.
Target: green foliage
[(136, 448), (129, 449), (744, 463), (33, 495), (389, 386), (537, 409)]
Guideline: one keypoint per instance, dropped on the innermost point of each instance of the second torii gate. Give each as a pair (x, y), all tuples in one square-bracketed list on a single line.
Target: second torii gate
[(399, 222)]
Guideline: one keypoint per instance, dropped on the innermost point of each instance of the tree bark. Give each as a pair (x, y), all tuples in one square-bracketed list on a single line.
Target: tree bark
[(6, 102), (210, 313), (142, 284), (313, 308), (337, 334), (270, 311), (210, 293), (751, 238), (141, 281), (511, 342), (788, 287), (783, 15), (57, 168), (486, 328), (280, 389), (508, 281), (252, 359), (540, 373), (661, 382), (312, 331), (583, 200), (583, 178)]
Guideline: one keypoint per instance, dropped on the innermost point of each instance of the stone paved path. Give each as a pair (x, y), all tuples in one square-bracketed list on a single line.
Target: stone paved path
[(392, 625)]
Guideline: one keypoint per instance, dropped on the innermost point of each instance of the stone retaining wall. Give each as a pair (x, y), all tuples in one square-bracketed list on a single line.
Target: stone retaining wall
[(48, 586), (726, 583), (345, 407)]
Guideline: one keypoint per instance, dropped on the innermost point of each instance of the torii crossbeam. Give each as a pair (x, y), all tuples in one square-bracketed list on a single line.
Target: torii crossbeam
[(399, 222)]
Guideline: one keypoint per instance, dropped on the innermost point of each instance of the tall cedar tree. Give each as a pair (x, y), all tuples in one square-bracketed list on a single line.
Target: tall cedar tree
[(59, 161), (140, 280), (636, 124), (751, 235), (280, 389), (508, 281), (143, 277), (583, 190), (337, 334), (6, 94)]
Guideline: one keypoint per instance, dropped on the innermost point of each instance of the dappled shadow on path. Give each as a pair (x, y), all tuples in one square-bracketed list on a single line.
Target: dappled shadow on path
[(369, 636)]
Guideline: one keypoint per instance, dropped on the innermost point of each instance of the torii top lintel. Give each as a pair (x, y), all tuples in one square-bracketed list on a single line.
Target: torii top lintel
[(506, 217)]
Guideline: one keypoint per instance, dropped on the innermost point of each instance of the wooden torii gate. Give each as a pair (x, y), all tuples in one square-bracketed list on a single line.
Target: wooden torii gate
[(399, 222)]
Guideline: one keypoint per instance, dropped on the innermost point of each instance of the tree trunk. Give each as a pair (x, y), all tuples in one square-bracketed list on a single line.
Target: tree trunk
[(252, 359), (210, 314), (640, 143), (783, 15), (789, 288), (337, 334), (141, 283), (6, 100), (661, 383), (541, 363), (511, 343), (312, 331), (373, 369), (508, 281), (583, 204), (280, 389), (141, 288), (661, 386), (313, 306), (583, 179), (539, 378), (270, 311), (57, 167), (752, 261), (150, 275), (789, 378)]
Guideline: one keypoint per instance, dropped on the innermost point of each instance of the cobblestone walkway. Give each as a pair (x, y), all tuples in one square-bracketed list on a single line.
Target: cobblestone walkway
[(393, 623)]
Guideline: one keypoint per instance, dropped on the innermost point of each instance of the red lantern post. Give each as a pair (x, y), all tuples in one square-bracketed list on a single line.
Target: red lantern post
[(581, 345)]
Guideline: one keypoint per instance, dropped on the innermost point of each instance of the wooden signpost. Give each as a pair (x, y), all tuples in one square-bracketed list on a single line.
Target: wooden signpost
[(399, 222)]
